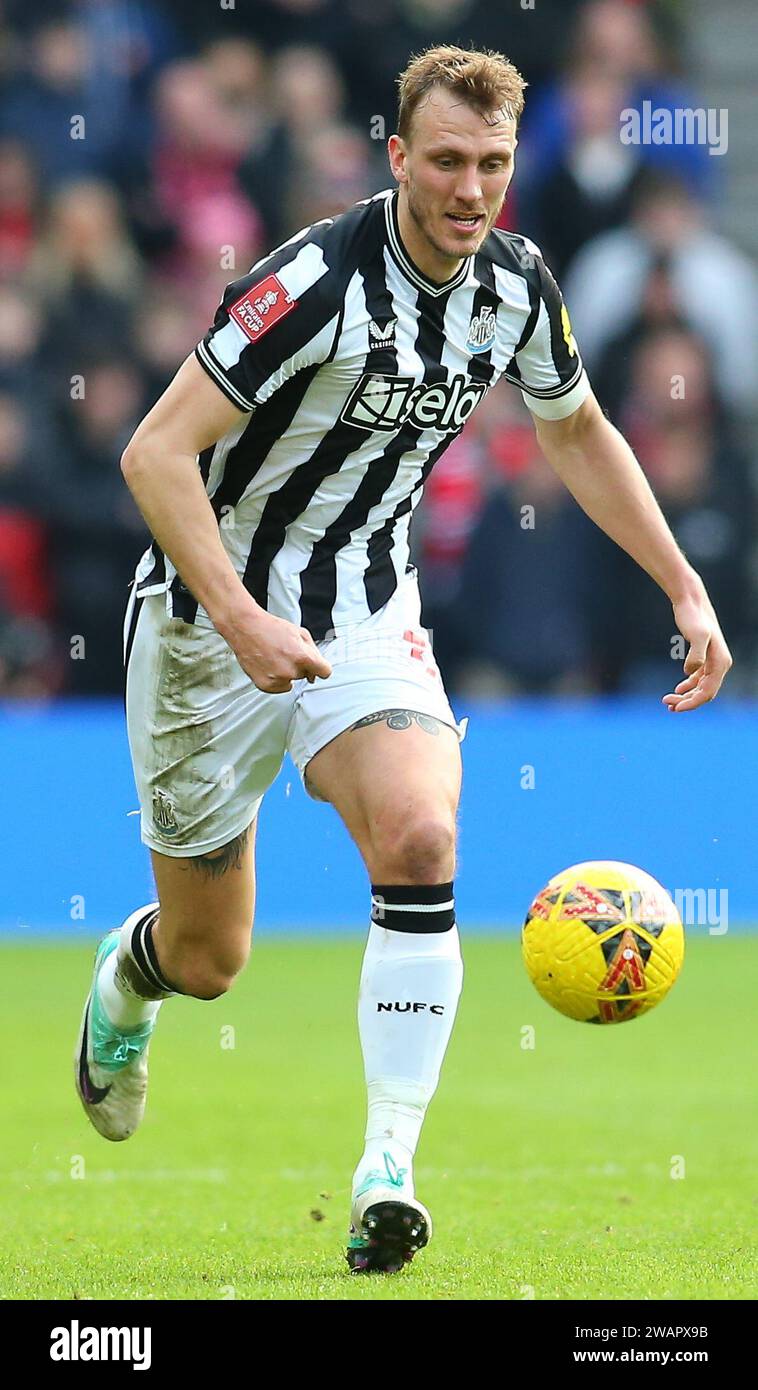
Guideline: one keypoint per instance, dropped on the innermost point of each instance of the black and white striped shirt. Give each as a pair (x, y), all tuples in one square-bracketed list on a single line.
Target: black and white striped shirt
[(353, 372)]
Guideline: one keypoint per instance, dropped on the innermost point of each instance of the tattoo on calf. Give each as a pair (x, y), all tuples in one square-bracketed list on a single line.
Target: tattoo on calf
[(399, 719), (215, 864)]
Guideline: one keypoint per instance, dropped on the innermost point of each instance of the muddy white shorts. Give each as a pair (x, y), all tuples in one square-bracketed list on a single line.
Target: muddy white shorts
[(206, 744)]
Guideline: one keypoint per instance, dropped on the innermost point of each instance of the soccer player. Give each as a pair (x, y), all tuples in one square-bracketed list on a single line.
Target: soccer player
[(276, 609)]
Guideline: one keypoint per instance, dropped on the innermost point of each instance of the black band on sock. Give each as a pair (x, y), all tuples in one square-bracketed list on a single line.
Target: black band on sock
[(145, 955), (413, 907), (152, 956)]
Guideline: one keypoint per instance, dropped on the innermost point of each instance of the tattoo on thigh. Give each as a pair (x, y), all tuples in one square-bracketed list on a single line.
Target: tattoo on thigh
[(215, 864), (399, 719)]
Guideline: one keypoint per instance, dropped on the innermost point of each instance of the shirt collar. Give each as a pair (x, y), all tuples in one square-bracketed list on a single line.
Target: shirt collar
[(411, 271)]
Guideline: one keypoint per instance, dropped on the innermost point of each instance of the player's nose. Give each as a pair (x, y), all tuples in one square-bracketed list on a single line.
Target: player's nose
[(469, 189)]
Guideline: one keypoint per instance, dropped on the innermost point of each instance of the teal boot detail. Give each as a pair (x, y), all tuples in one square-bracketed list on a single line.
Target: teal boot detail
[(113, 1048), (391, 1177)]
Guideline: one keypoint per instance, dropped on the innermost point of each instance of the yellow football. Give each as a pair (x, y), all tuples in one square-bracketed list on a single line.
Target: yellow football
[(603, 942)]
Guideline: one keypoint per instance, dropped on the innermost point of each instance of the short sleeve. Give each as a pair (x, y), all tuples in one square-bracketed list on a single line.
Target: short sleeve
[(279, 318), (548, 366)]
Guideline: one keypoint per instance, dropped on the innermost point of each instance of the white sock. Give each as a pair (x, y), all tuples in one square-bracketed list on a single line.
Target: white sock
[(410, 986), (118, 994)]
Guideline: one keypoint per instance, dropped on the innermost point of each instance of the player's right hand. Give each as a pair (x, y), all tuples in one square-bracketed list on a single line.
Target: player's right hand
[(275, 652), (708, 660)]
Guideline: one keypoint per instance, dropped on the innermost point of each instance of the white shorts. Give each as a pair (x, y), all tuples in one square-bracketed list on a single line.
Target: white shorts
[(206, 744)]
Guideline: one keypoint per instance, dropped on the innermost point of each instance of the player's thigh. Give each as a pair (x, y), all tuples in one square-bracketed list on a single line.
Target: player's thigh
[(206, 744), (207, 904), (395, 779)]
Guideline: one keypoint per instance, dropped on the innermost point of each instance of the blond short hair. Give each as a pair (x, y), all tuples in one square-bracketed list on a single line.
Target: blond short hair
[(482, 78)]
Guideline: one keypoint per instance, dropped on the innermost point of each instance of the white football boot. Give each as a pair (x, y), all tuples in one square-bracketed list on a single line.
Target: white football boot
[(110, 1064), (387, 1222)]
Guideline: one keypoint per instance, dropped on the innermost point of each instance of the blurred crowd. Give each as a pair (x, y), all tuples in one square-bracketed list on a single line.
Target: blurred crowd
[(152, 150)]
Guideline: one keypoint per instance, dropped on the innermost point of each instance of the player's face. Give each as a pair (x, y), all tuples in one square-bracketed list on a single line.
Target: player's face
[(453, 172)]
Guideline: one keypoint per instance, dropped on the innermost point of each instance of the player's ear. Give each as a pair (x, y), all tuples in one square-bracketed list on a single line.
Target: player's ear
[(396, 149)]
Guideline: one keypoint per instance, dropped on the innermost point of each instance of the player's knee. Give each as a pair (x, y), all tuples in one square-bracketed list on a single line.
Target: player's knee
[(203, 969), (210, 977), (418, 850), (206, 985)]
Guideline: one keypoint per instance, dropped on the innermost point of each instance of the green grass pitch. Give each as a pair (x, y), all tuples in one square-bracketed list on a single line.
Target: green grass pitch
[(548, 1170)]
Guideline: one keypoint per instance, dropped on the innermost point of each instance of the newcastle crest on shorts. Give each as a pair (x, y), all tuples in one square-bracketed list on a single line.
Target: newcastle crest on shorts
[(164, 812), (481, 333)]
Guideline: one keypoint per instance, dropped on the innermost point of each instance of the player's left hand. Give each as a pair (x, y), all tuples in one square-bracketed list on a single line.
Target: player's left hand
[(708, 659)]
